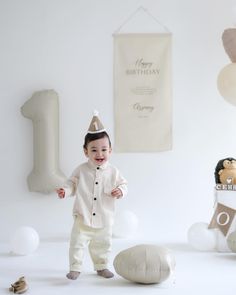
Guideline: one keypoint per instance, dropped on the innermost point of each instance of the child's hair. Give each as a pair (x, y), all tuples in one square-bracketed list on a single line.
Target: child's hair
[(94, 136)]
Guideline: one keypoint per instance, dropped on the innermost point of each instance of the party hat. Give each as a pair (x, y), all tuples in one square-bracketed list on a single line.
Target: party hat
[(96, 125)]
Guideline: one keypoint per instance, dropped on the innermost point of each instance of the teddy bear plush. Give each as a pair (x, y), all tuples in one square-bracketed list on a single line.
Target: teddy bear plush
[(225, 171)]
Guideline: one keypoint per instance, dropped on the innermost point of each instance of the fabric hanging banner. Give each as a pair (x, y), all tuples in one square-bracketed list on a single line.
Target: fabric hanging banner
[(142, 92), (222, 218)]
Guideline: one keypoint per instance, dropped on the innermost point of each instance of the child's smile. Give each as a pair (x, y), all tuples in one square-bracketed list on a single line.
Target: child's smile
[(99, 160)]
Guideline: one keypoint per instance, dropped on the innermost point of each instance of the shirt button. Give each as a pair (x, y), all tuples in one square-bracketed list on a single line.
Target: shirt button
[(95, 199), (94, 214), (98, 168), (96, 182)]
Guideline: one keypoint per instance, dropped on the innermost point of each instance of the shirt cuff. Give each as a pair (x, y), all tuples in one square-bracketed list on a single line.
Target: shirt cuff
[(123, 189)]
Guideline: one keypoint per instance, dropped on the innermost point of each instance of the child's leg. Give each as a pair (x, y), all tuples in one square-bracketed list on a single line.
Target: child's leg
[(100, 248), (79, 240)]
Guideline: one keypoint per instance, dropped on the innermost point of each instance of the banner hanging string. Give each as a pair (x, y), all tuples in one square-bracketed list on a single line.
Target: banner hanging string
[(141, 8)]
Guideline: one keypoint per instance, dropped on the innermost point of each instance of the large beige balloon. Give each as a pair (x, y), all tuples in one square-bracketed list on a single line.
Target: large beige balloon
[(226, 83), (229, 42), (43, 109)]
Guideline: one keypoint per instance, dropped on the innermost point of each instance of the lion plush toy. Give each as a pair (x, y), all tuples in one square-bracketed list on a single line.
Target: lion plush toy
[(225, 171), (19, 286)]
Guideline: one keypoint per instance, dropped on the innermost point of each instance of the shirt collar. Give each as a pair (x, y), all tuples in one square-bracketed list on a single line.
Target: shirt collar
[(93, 166)]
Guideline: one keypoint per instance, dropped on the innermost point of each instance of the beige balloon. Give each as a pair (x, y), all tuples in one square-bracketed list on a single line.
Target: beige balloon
[(231, 241), (43, 109), (226, 83), (229, 43)]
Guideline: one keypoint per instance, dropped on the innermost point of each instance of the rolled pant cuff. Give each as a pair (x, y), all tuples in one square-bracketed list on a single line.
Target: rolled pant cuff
[(73, 268)]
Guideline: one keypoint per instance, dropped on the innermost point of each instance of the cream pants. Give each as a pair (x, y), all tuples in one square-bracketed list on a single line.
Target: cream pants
[(98, 242)]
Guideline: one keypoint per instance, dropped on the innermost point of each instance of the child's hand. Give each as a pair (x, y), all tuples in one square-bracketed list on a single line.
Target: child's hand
[(61, 193), (116, 193)]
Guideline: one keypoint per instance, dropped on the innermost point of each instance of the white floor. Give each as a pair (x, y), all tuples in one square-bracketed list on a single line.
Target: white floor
[(196, 272)]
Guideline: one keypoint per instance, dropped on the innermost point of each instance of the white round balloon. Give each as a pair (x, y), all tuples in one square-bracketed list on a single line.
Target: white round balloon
[(24, 241), (201, 238), (125, 225), (226, 83)]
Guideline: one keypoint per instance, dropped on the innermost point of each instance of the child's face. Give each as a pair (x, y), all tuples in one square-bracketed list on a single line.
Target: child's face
[(98, 151)]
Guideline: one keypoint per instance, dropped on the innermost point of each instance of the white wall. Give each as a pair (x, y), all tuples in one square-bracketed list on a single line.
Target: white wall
[(66, 45)]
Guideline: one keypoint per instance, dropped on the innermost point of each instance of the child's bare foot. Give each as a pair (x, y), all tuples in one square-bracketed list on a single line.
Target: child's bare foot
[(73, 275), (106, 273)]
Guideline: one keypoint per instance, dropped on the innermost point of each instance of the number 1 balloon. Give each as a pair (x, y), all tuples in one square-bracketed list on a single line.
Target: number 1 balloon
[(43, 109)]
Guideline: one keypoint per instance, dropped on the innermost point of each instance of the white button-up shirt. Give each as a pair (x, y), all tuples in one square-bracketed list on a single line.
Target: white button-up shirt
[(92, 186)]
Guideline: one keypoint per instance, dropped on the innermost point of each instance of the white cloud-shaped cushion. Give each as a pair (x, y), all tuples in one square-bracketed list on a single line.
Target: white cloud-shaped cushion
[(146, 264)]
